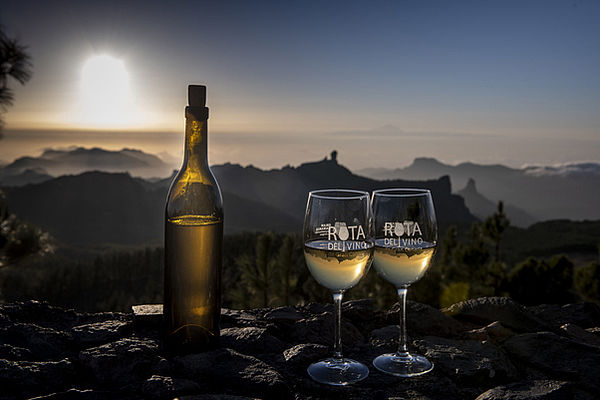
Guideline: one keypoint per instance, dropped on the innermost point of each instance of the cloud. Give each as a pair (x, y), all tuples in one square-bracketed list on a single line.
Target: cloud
[(566, 169)]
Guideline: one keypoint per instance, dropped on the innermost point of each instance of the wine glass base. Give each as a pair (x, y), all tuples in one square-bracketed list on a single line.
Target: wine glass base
[(403, 364), (338, 372)]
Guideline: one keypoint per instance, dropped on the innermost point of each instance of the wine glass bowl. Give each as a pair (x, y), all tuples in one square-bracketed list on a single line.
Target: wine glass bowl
[(338, 250), (405, 236)]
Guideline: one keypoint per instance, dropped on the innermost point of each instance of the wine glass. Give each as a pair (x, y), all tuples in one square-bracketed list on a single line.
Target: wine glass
[(338, 249), (405, 240)]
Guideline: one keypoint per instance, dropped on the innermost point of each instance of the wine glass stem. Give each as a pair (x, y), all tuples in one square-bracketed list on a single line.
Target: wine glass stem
[(402, 349), (337, 305)]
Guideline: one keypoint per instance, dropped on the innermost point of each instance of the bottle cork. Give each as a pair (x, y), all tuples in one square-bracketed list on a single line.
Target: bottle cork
[(197, 95)]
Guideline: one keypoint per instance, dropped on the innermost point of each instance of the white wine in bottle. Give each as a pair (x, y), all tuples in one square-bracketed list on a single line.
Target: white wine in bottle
[(193, 241)]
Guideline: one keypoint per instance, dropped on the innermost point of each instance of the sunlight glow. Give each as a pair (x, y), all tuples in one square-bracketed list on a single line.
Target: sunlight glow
[(105, 97)]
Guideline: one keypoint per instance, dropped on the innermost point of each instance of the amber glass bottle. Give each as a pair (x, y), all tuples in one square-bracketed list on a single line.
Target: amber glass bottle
[(193, 241)]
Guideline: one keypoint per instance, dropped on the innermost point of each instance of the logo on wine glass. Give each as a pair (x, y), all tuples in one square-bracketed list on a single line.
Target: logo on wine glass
[(398, 229), (403, 233), (404, 228), (341, 231)]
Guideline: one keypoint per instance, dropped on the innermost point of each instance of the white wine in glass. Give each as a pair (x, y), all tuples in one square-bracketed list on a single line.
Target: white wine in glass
[(405, 241), (336, 270), (338, 250)]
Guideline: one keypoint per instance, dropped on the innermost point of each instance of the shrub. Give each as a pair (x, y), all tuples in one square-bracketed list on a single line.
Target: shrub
[(587, 281)]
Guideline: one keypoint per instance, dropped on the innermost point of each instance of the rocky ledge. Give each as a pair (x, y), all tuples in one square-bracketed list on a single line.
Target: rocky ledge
[(488, 348)]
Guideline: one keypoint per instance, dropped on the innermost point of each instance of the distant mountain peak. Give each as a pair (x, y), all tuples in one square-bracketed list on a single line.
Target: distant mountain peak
[(330, 162), (483, 207), (323, 165), (471, 186), (387, 129), (130, 150), (426, 161)]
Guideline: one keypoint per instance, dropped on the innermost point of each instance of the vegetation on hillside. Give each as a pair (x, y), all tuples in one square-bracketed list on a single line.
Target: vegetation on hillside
[(265, 269), (19, 240)]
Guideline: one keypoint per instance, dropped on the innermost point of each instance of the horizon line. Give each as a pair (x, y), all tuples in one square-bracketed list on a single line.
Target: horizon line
[(325, 158)]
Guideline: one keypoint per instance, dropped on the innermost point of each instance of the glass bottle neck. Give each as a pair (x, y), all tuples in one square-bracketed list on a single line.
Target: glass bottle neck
[(196, 137)]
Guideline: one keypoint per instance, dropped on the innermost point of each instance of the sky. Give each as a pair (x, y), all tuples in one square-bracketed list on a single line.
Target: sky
[(382, 82)]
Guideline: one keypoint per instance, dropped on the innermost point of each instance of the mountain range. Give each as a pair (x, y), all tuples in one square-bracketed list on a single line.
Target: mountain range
[(570, 191), (53, 163), (83, 196), (482, 207), (116, 208)]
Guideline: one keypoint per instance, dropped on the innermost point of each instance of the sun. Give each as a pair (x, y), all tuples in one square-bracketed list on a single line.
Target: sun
[(104, 95)]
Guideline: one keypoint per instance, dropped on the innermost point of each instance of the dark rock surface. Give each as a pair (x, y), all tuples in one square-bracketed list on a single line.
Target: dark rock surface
[(485, 349), (531, 390), (502, 309)]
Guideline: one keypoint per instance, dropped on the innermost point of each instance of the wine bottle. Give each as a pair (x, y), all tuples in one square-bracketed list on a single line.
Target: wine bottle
[(193, 241)]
